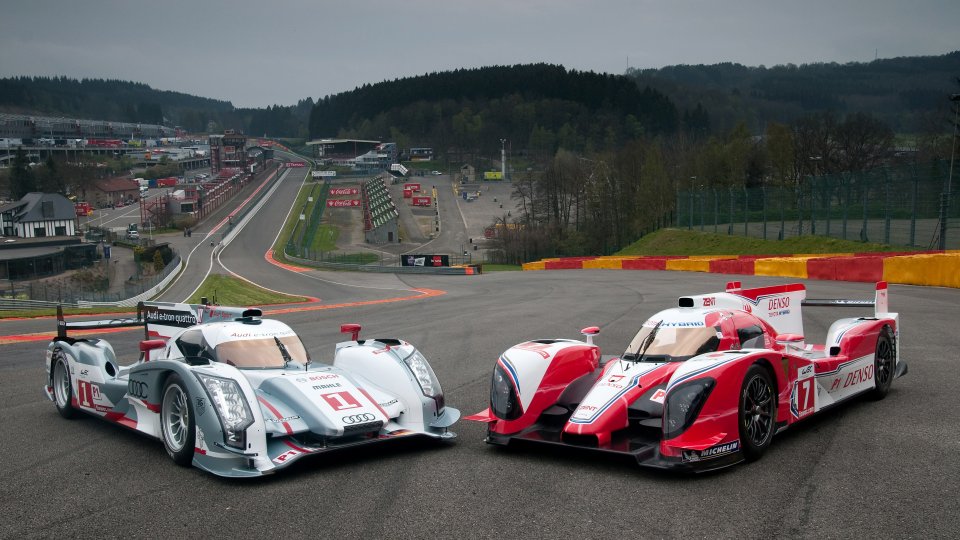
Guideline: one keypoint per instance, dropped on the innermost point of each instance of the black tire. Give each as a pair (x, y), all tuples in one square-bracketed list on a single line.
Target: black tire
[(177, 425), (62, 387), (757, 418), (884, 364)]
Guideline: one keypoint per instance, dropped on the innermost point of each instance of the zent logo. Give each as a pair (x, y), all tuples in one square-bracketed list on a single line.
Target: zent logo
[(709, 302)]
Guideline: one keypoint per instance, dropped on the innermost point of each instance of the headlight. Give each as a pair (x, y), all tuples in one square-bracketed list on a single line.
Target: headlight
[(231, 406), (504, 401), (424, 374), (683, 406)]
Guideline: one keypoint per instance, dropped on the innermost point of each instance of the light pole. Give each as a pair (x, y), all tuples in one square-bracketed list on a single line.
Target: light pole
[(503, 159), (954, 98)]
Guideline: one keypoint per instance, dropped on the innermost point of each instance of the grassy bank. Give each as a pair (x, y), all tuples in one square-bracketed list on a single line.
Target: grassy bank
[(231, 291), (683, 242)]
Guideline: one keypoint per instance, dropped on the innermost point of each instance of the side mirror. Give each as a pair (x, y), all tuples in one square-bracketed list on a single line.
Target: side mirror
[(589, 332), (352, 329), (148, 345)]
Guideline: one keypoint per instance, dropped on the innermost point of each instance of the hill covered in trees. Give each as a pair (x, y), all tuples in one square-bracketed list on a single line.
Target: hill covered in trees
[(124, 101), (537, 107), (905, 93)]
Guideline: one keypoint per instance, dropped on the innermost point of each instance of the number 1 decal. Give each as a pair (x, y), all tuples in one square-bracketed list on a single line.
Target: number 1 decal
[(85, 394), (341, 401)]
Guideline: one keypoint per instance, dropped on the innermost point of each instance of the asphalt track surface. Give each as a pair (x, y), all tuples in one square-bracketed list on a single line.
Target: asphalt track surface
[(866, 469)]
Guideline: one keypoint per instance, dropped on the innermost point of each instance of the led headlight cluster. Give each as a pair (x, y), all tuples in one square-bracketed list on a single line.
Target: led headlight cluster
[(683, 405), (231, 407), (427, 380)]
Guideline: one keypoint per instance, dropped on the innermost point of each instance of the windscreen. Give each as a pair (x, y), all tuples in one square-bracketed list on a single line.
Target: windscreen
[(676, 343), (261, 353)]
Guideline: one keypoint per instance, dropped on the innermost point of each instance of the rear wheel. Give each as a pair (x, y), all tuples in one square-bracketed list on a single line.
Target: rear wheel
[(884, 364), (757, 412), (62, 389), (177, 428)]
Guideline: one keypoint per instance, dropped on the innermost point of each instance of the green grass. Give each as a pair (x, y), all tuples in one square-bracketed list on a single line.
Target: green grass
[(501, 267), (682, 242), (325, 239), (291, 223), (231, 291)]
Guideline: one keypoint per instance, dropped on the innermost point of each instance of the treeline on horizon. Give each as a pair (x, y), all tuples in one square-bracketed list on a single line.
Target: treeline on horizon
[(124, 101)]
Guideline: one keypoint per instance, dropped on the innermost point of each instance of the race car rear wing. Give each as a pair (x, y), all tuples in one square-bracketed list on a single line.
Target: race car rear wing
[(64, 327), (780, 305), (159, 319), (880, 302)]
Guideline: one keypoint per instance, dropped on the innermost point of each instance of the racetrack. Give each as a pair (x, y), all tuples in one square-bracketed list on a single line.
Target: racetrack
[(865, 469)]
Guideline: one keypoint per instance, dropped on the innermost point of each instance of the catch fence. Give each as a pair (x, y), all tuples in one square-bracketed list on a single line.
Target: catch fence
[(911, 206)]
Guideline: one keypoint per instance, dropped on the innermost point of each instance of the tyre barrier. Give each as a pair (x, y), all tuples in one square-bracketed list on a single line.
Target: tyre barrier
[(930, 268)]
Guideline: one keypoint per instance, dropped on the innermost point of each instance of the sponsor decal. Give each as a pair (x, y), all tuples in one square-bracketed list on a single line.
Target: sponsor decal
[(200, 405), (284, 419), (682, 324), (358, 418), (344, 191), (805, 371), (855, 377), (709, 302), (138, 389), (317, 377), (659, 396), (389, 403), (325, 386), (286, 455), (180, 319), (712, 452), (778, 303), (84, 373)]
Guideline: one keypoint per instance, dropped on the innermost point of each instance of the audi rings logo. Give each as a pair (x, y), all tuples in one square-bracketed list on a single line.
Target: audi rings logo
[(137, 389), (358, 418)]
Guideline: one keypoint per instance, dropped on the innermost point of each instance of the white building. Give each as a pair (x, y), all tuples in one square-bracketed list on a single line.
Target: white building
[(39, 215)]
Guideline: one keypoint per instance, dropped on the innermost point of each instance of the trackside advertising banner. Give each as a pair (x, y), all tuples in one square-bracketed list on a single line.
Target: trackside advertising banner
[(344, 191), (425, 260), (343, 203)]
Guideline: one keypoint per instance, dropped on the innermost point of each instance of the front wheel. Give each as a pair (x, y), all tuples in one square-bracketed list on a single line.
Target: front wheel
[(177, 427), (884, 364), (62, 389), (757, 412)]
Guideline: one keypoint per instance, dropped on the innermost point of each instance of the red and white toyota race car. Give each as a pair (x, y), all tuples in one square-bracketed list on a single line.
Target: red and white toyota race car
[(701, 386)]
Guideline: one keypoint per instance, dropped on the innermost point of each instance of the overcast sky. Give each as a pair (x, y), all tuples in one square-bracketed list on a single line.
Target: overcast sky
[(259, 53)]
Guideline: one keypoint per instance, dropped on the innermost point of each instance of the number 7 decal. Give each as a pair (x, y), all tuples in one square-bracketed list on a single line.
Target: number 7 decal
[(804, 395)]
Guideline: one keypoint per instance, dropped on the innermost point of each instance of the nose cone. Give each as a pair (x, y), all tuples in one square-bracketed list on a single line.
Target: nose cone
[(327, 402)]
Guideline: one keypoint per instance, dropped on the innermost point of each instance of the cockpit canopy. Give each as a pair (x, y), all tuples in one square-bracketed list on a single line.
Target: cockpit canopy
[(673, 339), (243, 346)]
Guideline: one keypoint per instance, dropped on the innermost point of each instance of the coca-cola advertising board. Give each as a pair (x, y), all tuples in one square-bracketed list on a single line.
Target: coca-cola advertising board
[(407, 193), (422, 201), (343, 203), (412, 187), (344, 191)]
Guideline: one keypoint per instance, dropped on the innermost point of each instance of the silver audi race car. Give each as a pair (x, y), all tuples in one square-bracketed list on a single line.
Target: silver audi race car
[(238, 395)]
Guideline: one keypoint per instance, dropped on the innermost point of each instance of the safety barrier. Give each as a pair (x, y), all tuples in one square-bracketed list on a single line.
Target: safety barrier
[(931, 268)]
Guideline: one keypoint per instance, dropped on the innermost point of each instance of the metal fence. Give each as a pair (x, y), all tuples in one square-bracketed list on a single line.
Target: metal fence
[(908, 205), (111, 287)]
